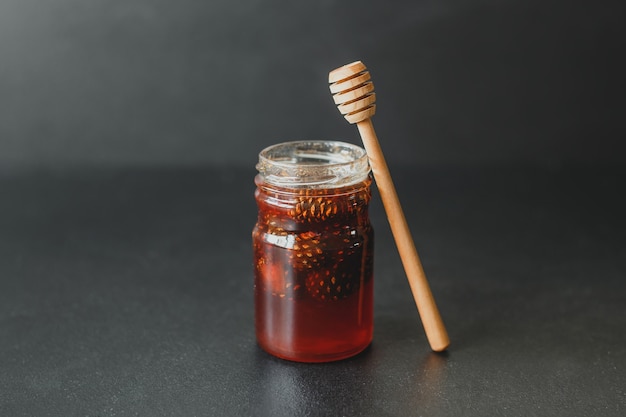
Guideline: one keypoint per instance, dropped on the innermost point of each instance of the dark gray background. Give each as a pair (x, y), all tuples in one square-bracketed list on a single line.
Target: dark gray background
[(126, 82), (129, 131)]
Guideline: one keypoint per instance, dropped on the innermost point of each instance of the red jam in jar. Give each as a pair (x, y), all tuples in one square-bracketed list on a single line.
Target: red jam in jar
[(313, 251)]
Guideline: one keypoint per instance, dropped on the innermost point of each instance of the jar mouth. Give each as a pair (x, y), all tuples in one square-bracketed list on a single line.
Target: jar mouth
[(317, 164)]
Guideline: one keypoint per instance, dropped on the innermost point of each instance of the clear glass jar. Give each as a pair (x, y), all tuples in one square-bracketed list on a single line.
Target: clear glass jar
[(313, 251)]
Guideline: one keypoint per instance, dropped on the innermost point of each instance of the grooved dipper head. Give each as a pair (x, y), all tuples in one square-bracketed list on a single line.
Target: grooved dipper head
[(353, 91)]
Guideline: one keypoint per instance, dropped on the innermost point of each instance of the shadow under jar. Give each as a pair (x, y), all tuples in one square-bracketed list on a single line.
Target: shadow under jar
[(313, 251)]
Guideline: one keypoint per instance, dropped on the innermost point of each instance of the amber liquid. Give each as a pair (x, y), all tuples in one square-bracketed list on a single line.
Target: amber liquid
[(313, 289)]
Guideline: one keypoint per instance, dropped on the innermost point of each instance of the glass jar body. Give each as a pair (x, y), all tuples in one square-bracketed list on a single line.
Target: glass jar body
[(313, 265)]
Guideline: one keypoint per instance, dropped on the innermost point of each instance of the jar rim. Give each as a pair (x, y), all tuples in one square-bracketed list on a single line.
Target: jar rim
[(313, 163)]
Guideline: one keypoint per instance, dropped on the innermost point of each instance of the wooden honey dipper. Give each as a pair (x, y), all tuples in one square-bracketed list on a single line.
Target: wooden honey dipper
[(353, 92)]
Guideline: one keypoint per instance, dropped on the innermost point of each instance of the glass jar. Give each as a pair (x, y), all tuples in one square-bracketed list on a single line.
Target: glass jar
[(313, 251)]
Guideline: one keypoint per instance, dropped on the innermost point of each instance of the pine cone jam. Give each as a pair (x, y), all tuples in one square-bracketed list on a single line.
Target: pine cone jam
[(313, 251)]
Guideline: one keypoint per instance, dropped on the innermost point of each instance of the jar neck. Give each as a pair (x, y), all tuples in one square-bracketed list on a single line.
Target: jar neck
[(313, 165), (287, 194)]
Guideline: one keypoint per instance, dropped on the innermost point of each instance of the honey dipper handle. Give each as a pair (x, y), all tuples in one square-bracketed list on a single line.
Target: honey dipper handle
[(426, 306)]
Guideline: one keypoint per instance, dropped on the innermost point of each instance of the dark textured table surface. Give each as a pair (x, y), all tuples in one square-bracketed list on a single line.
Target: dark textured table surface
[(129, 292)]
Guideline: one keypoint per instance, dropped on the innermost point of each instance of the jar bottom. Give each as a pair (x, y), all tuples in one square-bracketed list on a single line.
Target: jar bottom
[(315, 357), (310, 331)]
